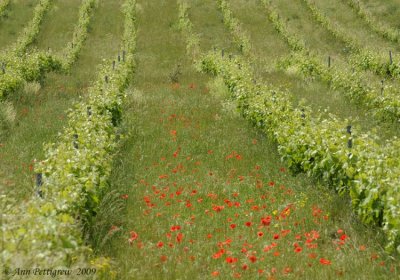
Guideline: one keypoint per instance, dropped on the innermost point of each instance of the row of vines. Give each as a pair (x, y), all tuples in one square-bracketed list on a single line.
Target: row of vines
[(328, 149), (46, 230), (19, 66), (384, 104)]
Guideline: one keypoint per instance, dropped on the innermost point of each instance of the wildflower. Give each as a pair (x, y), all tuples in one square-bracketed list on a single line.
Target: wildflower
[(218, 254), (163, 258), (133, 237), (160, 244), (175, 228), (248, 224), (124, 196), (179, 237), (298, 249), (344, 237), (266, 221), (215, 273), (324, 261), (260, 234), (232, 226), (231, 260), (252, 258), (217, 208)]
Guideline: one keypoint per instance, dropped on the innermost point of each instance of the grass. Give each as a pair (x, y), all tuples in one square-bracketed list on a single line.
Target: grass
[(385, 11), (265, 41), (41, 109), (196, 179), (348, 20), (17, 15), (196, 192), (56, 34)]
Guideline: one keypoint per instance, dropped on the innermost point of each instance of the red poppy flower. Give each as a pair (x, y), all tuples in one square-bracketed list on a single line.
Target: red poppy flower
[(248, 224), (133, 237), (298, 249), (271, 184), (124, 196), (217, 208), (215, 273), (231, 260), (324, 261), (175, 228), (160, 244), (266, 221), (163, 258), (245, 266), (232, 226), (252, 258), (276, 236), (260, 233), (179, 237)]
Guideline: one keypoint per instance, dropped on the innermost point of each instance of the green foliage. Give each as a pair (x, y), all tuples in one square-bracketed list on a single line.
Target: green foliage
[(385, 105), (294, 43), (21, 66), (240, 37), (186, 26), (319, 147), (7, 118), (71, 52), (361, 56), (3, 6), (46, 230), (389, 33)]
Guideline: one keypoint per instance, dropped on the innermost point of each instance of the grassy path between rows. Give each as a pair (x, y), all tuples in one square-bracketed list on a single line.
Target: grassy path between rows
[(268, 43), (58, 25), (41, 110), (205, 194), (18, 14)]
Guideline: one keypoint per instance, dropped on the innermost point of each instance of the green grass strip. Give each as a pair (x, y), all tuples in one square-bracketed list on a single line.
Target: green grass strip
[(361, 56), (384, 104), (386, 32), (3, 6), (351, 163), (45, 231)]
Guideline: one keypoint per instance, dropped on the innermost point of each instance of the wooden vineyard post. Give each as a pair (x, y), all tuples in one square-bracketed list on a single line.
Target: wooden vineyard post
[(303, 116), (390, 57), (75, 142), (382, 86), (329, 61), (39, 183), (106, 79), (350, 140), (113, 65)]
